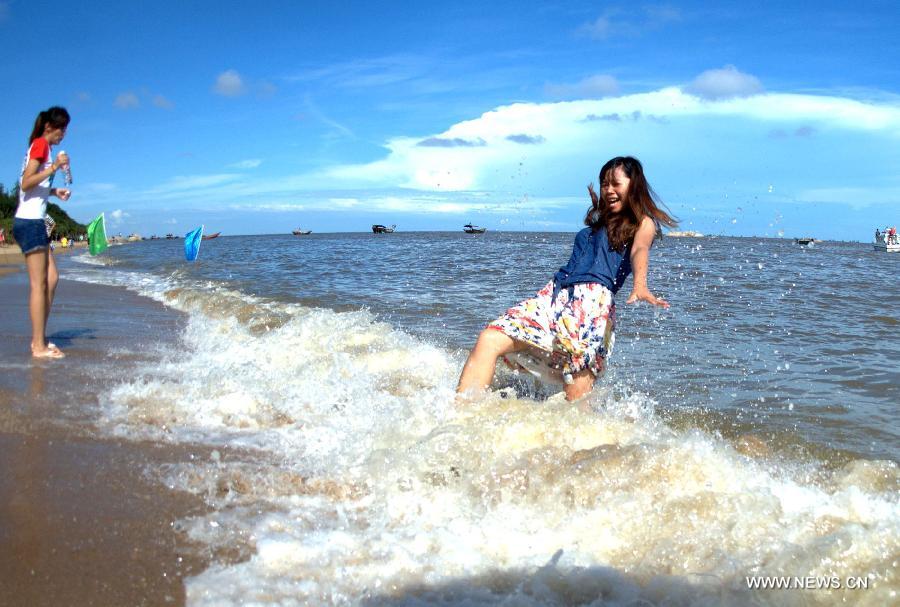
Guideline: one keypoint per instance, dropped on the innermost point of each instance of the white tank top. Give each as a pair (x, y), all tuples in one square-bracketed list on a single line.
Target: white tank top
[(33, 202)]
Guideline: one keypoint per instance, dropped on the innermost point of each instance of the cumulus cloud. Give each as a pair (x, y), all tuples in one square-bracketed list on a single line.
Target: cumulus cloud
[(724, 83), (526, 139), (455, 142), (127, 100), (229, 84), (500, 176), (592, 87), (573, 129), (162, 102)]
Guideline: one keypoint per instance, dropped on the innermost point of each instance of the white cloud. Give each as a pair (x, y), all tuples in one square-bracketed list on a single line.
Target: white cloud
[(127, 100), (570, 134), (344, 203), (724, 83), (619, 23), (599, 29), (83, 97), (162, 102), (251, 163), (505, 176), (118, 216), (229, 84), (592, 87)]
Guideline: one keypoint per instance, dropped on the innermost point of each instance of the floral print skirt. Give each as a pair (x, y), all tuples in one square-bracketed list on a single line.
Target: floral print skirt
[(575, 329)]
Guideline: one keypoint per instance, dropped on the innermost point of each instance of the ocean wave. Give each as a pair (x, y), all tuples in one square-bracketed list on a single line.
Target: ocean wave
[(344, 473)]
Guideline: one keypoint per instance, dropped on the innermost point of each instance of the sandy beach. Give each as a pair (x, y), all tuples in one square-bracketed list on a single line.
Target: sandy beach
[(11, 256), (81, 521)]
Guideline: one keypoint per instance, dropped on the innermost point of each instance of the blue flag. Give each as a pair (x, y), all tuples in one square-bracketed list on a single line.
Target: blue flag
[(192, 242)]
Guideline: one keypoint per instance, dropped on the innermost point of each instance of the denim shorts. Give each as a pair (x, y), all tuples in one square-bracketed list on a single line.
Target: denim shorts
[(30, 234)]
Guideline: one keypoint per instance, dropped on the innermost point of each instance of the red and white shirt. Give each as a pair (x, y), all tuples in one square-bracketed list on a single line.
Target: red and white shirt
[(33, 202)]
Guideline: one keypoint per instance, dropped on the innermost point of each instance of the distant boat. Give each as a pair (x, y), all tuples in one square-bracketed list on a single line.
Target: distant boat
[(686, 234), (470, 229), (171, 236), (211, 236), (299, 232), (805, 241), (380, 229), (887, 241)]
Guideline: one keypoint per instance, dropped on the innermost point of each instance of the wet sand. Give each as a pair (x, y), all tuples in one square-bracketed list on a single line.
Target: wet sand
[(81, 520)]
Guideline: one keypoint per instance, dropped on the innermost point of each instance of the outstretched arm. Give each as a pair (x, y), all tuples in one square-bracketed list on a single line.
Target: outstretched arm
[(640, 255)]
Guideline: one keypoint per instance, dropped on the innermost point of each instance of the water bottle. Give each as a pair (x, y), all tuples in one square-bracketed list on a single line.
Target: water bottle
[(67, 170)]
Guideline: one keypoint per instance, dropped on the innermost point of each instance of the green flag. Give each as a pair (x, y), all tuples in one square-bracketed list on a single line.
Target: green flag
[(97, 235)]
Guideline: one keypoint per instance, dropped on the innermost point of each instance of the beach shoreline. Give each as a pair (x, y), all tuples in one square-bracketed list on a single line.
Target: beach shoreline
[(84, 518), (11, 258)]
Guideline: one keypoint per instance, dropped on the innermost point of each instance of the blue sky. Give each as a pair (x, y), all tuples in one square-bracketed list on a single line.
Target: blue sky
[(778, 119)]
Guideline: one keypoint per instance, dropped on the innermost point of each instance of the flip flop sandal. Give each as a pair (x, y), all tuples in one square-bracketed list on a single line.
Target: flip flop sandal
[(49, 354)]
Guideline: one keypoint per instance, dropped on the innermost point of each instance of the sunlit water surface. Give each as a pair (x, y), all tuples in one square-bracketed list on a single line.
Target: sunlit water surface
[(747, 430)]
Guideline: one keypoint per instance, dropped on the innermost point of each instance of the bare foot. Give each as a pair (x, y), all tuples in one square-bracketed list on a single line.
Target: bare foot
[(47, 353)]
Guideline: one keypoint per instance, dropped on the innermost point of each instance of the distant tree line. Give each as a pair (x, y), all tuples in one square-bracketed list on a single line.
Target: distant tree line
[(65, 225)]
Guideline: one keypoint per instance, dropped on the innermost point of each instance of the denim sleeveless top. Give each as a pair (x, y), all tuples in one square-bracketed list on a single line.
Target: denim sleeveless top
[(593, 260)]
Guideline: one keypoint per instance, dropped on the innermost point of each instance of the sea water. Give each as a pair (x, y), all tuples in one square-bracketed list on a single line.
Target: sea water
[(748, 431)]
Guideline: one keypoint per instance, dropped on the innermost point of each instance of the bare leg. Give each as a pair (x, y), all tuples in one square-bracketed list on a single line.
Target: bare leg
[(36, 262), (582, 384), (478, 372), (52, 280)]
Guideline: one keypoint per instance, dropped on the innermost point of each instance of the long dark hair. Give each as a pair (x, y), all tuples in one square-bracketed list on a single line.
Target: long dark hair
[(641, 201), (57, 117)]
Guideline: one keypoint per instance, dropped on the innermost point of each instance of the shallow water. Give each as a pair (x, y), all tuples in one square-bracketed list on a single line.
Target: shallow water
[(747, 430)]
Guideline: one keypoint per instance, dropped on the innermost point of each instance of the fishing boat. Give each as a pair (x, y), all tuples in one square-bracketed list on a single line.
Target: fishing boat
[(805, 241), (211, 236), (887, 241), (470, 229), (380, 229), (299, 232)]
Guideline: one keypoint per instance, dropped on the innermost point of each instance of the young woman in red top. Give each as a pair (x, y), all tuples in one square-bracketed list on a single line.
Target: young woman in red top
[(29, 228)]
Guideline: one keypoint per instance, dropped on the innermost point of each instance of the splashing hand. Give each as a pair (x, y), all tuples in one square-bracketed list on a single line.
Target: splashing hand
[(643, 294)]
